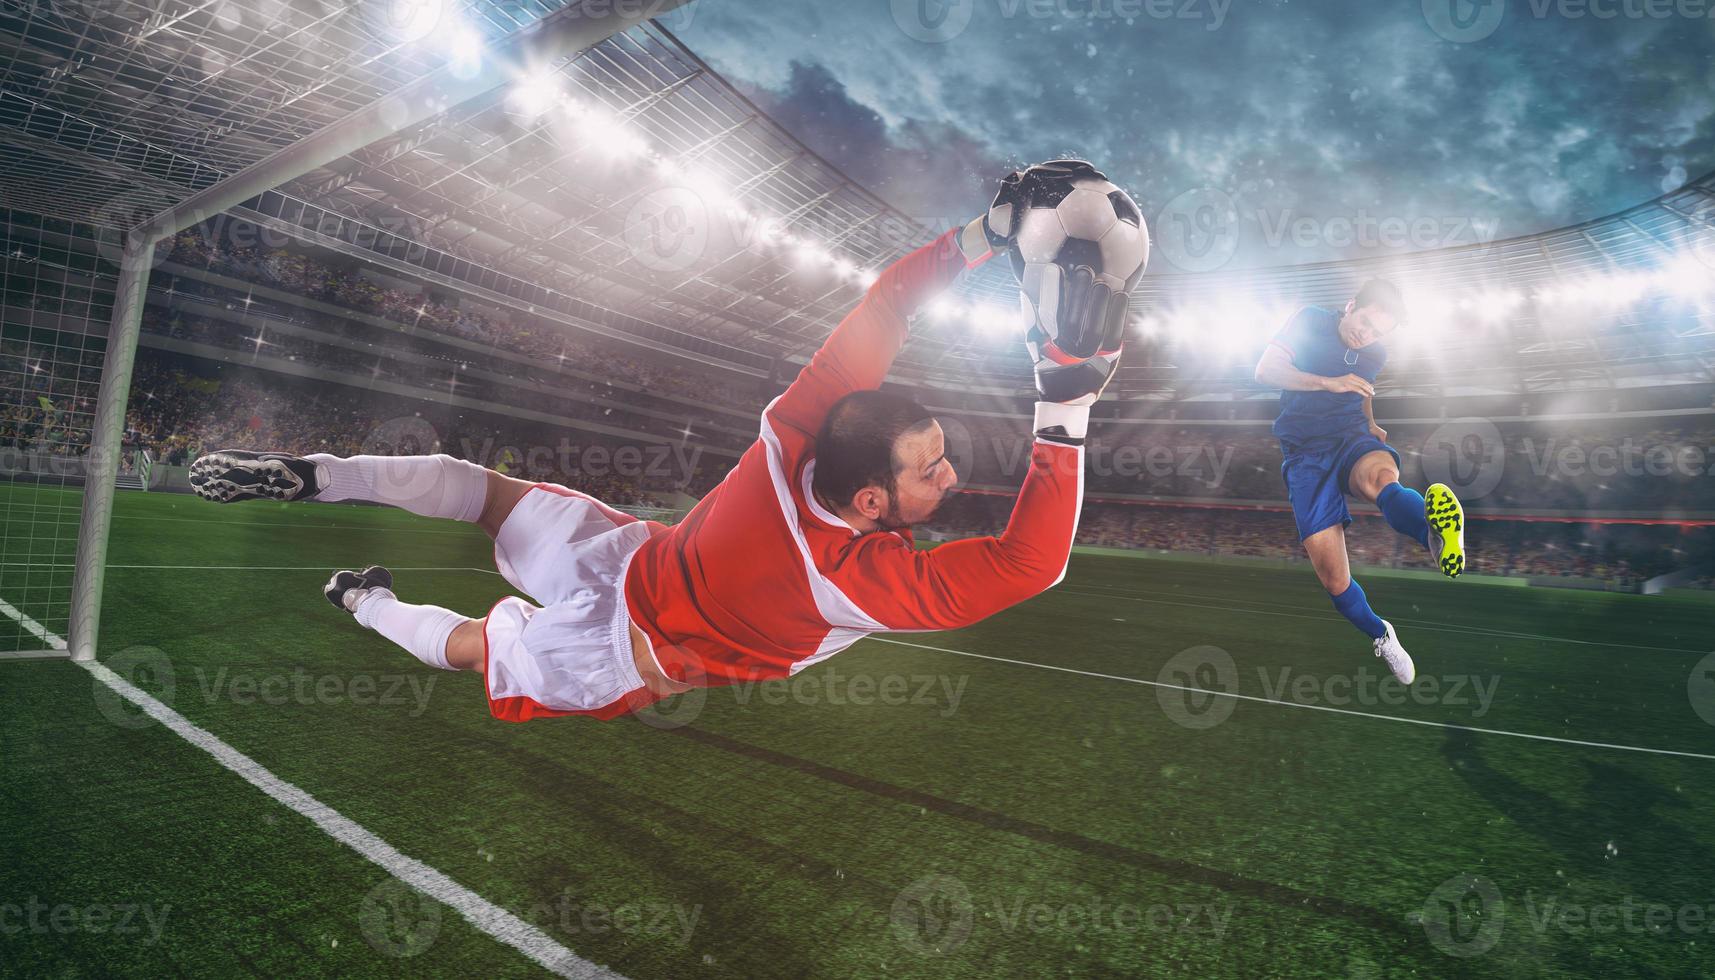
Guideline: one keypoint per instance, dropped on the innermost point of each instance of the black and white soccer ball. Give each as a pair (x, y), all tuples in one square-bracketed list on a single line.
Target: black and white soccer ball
[(1055, 219)]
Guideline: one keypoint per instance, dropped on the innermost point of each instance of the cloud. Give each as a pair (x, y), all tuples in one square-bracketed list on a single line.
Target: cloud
[(1296, 110)]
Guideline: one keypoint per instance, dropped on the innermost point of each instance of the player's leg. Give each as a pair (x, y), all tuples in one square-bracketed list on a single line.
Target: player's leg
[(1327, 551), (1437, 523), (436, 636), (432, 486)]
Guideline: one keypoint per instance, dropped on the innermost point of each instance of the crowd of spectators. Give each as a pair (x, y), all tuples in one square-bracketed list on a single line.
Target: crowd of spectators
[(1652, 465), (178, 413), (351, 287), (438, 374), (1621, 555)]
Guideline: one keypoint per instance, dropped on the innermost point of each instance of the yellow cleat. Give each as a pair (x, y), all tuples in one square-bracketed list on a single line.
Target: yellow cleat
[(1446, 529)]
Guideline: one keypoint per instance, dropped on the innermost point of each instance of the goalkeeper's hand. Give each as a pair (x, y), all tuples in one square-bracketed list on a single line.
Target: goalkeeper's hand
[(1074, 366), (1076, 361)]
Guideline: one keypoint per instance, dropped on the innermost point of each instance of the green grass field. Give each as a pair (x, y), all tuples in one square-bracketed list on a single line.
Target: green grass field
[(1000, 801)]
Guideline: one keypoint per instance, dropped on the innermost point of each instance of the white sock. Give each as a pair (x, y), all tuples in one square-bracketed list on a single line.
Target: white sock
[(422, 630), (433, 486)]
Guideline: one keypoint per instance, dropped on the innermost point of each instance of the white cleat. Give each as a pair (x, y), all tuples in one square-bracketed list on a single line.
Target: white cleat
[(1388, 648)]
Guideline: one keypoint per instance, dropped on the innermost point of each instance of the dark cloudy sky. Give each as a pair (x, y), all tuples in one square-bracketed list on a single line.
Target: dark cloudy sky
[(1294, 130)]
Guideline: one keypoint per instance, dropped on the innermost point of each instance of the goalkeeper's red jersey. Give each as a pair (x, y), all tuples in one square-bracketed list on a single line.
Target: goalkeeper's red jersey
[(760, 580)]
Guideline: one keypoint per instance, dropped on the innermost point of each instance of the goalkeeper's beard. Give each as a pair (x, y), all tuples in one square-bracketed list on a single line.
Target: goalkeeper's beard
[(893, 520)]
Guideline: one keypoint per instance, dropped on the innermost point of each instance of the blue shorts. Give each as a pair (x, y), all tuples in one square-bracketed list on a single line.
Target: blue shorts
[(1316, 473)]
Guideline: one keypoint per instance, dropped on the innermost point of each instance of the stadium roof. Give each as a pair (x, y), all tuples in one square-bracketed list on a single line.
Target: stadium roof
[(630, 190)]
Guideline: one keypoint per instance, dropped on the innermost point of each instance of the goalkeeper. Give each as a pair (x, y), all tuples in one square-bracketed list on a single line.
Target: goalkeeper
[(803, 549)]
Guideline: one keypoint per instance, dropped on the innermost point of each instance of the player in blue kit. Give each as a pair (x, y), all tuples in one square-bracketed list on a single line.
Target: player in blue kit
[(1325, 364)]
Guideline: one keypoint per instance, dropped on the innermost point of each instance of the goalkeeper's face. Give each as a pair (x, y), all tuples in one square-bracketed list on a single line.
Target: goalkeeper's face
[(923, 477)]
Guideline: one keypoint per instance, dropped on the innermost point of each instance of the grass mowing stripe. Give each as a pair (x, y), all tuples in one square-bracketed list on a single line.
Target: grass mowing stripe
[(478, 911), (1415, 623), (1299, 704), (1279, 894)]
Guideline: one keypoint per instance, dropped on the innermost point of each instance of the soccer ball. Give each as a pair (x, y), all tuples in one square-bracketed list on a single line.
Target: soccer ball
[(1060, 216)]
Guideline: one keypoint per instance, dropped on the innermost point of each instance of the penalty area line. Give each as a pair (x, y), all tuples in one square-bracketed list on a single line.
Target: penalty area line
[(1299, 704), (487, 917)]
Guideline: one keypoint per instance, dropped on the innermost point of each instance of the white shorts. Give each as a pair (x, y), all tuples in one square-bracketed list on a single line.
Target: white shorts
[(571, 654)]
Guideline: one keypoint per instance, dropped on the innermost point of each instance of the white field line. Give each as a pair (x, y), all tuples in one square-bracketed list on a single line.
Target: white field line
[(1299, 704), (35, 628), (478, 911)]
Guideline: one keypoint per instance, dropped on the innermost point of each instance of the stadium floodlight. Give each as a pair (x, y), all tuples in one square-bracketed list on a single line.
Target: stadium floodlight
[(462, 47), (535, 94), (1688, 278)]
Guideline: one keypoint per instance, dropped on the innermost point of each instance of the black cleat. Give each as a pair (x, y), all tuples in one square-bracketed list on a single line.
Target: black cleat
[(229, 475), (347, 588)]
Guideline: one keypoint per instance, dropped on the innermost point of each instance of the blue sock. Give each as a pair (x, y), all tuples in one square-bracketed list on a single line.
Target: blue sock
[(1352, 605), (1403, 508)]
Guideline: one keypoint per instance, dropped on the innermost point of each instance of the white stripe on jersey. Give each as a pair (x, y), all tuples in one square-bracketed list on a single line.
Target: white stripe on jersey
[(835, 607)]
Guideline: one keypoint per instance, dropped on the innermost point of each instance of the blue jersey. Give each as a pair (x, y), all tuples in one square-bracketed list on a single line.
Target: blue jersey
[(1312, 339)]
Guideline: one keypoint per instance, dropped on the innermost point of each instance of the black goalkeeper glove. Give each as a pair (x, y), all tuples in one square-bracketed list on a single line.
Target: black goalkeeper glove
[(1079, 359)]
